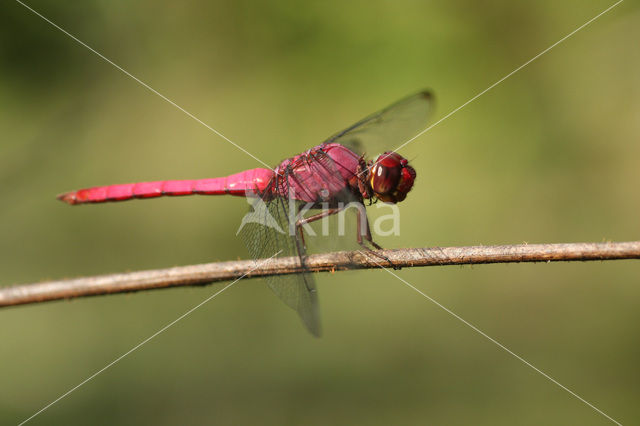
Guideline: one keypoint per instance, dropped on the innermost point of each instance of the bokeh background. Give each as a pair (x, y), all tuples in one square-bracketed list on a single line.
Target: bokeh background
[(549, 155)]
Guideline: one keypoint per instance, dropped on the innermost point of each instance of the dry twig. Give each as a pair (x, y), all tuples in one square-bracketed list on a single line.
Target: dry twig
[(224, 271)]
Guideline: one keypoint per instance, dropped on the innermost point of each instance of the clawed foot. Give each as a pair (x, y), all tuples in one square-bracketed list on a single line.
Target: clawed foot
[(381, 256)]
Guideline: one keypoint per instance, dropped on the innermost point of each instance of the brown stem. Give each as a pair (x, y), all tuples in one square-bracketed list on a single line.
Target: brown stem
[(224, 271)]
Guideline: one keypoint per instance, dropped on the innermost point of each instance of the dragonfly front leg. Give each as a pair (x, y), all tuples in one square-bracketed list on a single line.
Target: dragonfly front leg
[(305, 220), (362, 174), (364, 231)]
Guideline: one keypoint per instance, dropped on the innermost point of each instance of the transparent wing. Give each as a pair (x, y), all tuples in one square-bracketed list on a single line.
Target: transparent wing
[(388, 128), (265, 231)]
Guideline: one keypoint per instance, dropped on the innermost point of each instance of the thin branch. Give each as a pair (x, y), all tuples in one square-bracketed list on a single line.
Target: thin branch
[(223, 271)]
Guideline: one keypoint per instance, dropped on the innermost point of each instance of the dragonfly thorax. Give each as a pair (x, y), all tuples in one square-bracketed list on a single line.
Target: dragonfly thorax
[(391, 177)]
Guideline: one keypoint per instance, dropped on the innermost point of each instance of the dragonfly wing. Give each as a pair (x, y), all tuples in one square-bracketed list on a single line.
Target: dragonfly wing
[(266, 231), (389, 127)]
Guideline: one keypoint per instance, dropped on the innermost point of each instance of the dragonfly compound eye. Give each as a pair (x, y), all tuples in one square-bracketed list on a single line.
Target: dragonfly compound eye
[(391, 177)]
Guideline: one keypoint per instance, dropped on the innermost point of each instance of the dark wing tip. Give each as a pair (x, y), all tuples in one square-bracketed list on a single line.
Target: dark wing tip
[(426, 94)]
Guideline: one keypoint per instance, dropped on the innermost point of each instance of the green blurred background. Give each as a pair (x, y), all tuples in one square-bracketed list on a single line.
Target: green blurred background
[(549, 155)]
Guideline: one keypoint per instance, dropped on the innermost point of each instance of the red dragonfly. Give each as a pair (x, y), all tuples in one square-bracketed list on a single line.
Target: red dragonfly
[(328, 177)]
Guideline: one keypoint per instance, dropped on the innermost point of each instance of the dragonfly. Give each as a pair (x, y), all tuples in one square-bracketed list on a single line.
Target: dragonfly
[(328, 178)]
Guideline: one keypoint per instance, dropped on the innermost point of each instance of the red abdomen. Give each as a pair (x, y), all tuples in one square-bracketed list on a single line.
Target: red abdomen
[(247, 183)]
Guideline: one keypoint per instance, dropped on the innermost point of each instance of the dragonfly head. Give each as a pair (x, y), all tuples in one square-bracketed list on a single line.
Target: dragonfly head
[(391, 177)]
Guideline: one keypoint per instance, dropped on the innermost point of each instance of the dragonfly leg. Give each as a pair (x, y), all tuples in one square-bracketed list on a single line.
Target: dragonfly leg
[(362, 172), (364, 231), (325, 213)]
